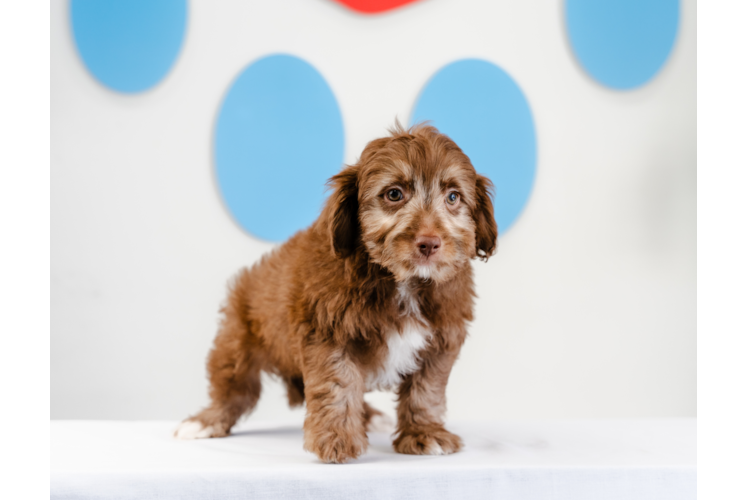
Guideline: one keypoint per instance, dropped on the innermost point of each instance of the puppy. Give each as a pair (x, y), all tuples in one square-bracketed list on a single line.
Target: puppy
[(376, 294)]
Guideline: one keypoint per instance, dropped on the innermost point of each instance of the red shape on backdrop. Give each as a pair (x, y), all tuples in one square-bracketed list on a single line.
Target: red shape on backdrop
[(374, 6)]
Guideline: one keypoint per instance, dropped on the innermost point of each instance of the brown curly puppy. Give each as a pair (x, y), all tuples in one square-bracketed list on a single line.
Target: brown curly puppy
[(376, 294)]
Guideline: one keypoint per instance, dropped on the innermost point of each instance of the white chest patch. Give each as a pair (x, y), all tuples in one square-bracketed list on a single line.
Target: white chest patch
[(402, 357), (403, 348)]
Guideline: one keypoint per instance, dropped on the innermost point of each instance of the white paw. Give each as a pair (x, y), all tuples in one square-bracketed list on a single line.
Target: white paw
[(381, 423), (435, 449), (192, 429)]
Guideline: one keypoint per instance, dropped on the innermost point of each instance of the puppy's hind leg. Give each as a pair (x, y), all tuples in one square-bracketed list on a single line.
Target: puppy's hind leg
[(376, 421), (234, 367), (295, 390)]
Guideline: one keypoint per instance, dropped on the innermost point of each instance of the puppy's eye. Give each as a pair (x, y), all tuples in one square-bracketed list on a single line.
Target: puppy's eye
[(453, 198), (394, 195)]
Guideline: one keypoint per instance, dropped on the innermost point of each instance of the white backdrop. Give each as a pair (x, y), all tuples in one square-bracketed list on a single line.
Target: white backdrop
[(587, 310)]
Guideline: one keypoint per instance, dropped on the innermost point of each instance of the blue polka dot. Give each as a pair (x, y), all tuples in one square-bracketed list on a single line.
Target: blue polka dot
[(278, 139), (482, 109), (622, 43), (128, 45)]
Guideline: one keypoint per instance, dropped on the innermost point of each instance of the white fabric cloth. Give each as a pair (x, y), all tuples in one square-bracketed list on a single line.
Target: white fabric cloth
[(574, 460)]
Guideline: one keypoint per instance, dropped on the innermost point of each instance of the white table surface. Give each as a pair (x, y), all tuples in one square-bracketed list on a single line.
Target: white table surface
[(575, 460)]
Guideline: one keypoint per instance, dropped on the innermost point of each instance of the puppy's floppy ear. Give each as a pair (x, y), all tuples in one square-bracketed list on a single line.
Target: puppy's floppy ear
[(343, 215), (486, 231)]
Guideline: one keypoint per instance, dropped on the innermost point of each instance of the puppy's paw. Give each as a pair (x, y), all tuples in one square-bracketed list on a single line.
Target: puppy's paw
[(337, 449), (193, 429), (427, 442), (380, 423)]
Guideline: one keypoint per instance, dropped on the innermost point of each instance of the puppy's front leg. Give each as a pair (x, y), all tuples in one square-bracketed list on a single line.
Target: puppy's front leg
[(421, 407), (334, 428)]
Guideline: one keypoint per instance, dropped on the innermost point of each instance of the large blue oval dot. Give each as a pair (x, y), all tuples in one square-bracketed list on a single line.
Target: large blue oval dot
[(128, 45), (279, 137), (622, 43), (484, 111)]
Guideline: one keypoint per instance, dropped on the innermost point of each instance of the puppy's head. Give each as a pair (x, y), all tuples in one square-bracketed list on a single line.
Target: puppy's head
[(414, 204)]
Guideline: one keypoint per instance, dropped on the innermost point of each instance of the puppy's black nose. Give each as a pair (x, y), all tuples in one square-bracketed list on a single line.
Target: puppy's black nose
[(428, 245)]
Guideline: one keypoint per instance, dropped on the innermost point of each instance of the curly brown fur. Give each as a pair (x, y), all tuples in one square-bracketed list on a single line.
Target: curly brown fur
[(376, 294)]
